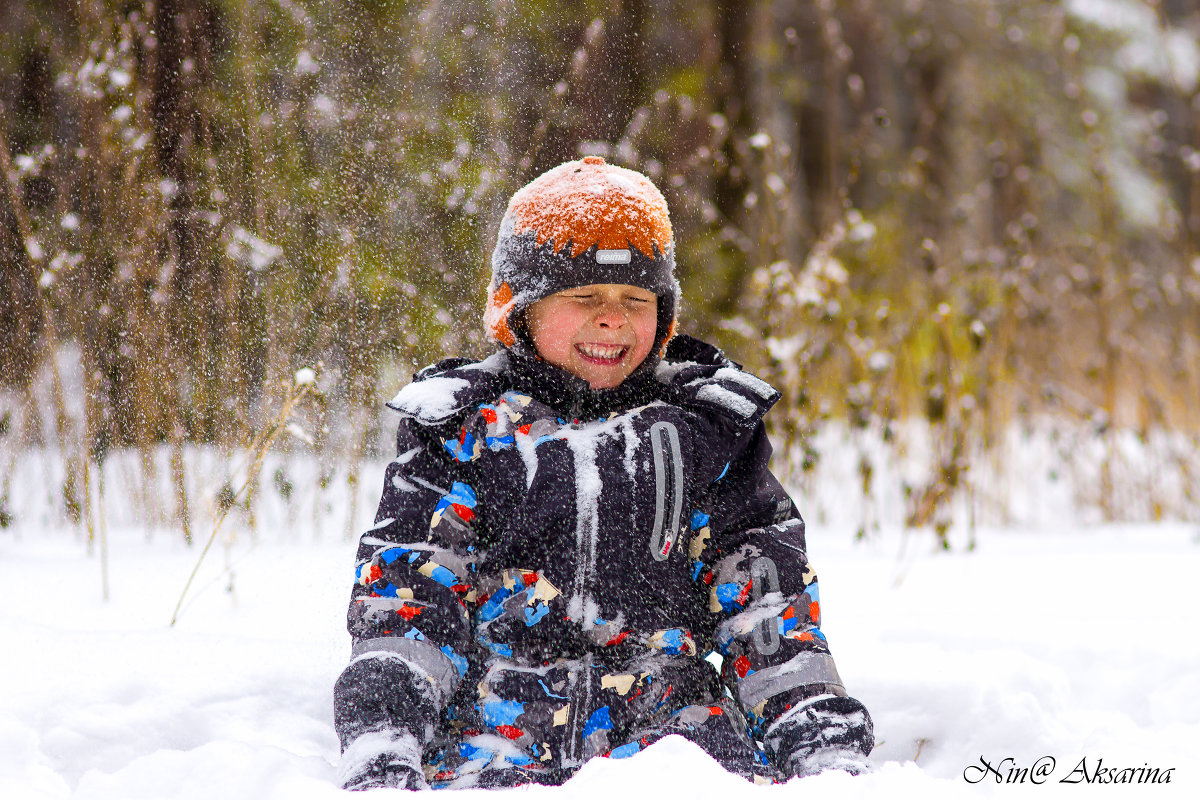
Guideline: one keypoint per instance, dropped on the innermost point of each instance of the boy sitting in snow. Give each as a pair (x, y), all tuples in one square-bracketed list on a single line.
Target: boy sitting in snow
[(571, 525)]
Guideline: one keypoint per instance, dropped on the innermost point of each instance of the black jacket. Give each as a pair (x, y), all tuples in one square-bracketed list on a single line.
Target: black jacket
[(530, 523)]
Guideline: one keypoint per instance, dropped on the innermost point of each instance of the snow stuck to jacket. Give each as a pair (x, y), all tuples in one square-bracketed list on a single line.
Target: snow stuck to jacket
[(746, 381), (431, 400), (731, 402), (588, 487)]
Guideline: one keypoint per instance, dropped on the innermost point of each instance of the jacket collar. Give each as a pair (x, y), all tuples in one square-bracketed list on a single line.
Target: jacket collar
[(574, 397), (692, 374)]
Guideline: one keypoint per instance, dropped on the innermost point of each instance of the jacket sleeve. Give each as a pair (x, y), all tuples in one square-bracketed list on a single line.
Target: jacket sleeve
[(764, 594), (408, 617)]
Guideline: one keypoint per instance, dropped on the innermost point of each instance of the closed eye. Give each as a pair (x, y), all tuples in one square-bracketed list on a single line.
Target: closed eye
[(592, 298)]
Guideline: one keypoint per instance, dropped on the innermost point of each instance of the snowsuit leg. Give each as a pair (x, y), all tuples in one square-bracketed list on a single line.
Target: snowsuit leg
[(719, 730), (539, 724)]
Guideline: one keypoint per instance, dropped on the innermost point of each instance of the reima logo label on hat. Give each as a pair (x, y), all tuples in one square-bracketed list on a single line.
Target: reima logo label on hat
[(613, 256)]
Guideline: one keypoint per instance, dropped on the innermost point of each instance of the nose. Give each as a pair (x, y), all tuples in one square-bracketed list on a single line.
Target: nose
[(611, 315)]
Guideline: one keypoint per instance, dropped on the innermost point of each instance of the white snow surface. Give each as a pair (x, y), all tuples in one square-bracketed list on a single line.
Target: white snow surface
[(1068, 642)]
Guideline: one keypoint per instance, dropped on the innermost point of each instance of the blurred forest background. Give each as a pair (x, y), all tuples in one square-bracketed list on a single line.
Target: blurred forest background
[(968, 215)]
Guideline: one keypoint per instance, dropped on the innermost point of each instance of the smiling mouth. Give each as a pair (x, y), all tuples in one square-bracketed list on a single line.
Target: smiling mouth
[(602, 354)]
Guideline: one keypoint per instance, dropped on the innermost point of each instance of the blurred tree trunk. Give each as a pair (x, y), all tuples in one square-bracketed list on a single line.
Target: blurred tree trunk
[(616, 82), (19, 353), (818, 112), (25, 124), (604, 84), (206, 290), (731, 95), (1191, 210), (931, 152)]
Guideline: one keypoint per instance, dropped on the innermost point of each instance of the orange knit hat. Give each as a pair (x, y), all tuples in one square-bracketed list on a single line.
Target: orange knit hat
[(582, 222)]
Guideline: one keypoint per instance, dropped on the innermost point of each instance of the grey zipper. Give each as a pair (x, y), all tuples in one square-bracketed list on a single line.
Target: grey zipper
[(668, 486)]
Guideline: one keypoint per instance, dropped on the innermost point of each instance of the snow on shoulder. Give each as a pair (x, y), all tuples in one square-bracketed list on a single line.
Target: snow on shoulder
[(720, 385), (430, 400), (730, 401), (744, 379), (720, 390), (437, 392)]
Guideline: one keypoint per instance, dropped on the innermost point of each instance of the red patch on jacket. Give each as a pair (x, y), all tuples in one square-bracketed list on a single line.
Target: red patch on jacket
[(509, 732), (407, 612), (745, 593)]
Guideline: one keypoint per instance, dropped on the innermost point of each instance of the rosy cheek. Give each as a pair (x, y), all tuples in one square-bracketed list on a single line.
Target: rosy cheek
[(649, 323)]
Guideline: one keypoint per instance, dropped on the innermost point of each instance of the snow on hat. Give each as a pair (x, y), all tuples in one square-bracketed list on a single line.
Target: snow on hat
[(580, 223)]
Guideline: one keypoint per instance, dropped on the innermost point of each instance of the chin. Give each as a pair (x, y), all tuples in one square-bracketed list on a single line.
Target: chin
[(605, 382)]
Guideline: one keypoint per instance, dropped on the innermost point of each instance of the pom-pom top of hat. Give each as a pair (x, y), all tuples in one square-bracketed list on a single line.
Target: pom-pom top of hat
[(589, 202), (581, 223)]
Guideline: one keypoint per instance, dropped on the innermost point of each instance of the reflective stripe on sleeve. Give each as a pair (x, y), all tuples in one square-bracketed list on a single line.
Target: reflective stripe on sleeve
[(422, 655), (804, 669)]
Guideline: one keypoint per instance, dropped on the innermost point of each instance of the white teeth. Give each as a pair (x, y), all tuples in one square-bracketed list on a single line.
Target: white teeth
[(606, 352)]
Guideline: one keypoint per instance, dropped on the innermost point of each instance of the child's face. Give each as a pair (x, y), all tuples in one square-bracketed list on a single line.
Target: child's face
[(600, 332)]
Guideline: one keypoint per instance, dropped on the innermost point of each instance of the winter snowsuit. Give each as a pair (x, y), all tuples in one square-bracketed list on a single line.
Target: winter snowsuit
[(550, 565)]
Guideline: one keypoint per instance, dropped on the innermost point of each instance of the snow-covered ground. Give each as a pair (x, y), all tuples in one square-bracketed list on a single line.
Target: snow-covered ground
[(1071, 643)]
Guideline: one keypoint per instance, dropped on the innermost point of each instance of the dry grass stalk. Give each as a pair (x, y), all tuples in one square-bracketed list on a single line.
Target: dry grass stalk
[(255, 454)]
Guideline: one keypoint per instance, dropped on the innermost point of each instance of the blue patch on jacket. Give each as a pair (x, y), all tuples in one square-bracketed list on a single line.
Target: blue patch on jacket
[(673, 642), (727, 594), (458, 661), (502, 712), (462, 449), (626, 750), (443, 576), (534, 615), (462, 494), (392, 554), (494, 607), (598, 721)]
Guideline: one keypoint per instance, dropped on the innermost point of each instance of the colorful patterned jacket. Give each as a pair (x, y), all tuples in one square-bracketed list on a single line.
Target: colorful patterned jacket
[(551, 565)]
